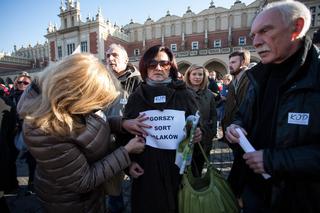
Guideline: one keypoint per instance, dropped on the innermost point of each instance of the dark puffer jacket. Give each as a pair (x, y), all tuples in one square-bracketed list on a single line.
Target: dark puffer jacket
[(71, 170)]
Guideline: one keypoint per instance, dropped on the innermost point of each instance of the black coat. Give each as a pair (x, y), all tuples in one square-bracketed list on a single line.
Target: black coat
[(293, 156), (157, 189), (8, 152)]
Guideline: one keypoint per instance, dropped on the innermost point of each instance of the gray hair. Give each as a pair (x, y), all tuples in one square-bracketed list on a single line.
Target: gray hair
[(114, 46), (290, 11)]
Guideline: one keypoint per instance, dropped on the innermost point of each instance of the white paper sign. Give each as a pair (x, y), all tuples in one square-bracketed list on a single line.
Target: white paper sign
[(167, 128)]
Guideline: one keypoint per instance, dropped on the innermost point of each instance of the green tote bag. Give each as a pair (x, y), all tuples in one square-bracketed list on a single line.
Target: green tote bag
[(209, 193)]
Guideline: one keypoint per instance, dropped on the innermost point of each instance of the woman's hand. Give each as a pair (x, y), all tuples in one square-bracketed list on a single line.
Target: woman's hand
[(135, 145), (197, 135), (136, 126), (135, 170)]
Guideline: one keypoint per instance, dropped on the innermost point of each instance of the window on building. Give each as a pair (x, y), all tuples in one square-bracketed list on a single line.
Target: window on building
[(70, 48), (242, 40), (313, 16), (218, 23), (173, 47), (59, 52), (173, 29), (136, 52), (84, 46), (194, 26), (217, 43), (136, 35), (72, 21), (153, 32), (313, 9), (194, 45), (65, 23)]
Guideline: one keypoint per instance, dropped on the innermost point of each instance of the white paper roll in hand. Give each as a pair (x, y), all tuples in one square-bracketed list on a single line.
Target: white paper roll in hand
[(247, 147)]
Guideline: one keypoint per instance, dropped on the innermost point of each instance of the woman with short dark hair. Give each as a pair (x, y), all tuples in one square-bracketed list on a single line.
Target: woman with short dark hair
[(166, 102)]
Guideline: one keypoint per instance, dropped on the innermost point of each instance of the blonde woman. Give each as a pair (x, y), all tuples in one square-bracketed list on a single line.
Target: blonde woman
[(196, 78), (67, 133)]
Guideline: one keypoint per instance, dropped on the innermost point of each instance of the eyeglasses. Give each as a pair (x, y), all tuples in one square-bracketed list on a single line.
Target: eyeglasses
[(163, 64), (23, 82)]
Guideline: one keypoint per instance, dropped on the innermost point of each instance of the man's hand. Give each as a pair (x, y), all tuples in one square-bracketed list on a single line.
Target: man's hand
[(135, 170), (232, 135), (255, 161), (136, 126)]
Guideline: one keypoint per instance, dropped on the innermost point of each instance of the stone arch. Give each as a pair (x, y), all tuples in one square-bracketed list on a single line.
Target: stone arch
[(183, 66), (217, 65)]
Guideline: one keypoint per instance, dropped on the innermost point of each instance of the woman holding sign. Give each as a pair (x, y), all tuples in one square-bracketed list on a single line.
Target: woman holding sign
[(196, 78), (166, 101)]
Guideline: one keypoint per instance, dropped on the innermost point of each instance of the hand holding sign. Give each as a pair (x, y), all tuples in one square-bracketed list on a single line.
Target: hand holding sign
[(247, 147), (167, 128), (137, 126)]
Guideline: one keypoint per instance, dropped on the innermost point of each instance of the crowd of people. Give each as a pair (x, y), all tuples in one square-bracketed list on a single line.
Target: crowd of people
[(81, 124)]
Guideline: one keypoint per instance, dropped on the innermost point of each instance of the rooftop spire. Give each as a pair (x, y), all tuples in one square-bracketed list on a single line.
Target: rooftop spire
[(212, 4)]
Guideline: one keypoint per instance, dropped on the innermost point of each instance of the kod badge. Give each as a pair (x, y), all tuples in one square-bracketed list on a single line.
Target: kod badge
[(298, 118), (123, 101), (160, 99)]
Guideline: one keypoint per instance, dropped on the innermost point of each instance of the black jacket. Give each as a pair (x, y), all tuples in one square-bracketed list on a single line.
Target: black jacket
[(157, 189), (293, 157)]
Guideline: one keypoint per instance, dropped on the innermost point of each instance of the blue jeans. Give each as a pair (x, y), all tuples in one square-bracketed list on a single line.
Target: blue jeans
[(115, 204)]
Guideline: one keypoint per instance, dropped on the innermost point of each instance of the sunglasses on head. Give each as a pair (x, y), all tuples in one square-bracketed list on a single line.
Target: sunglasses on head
[(23, 82), (163, 64)]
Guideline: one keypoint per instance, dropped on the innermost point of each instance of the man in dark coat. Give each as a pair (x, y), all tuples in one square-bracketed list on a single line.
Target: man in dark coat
[(238, 65), (280, 115)]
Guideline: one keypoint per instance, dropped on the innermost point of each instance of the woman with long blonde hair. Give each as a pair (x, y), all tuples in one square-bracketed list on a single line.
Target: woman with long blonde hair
[(69, 136), (196, 78)]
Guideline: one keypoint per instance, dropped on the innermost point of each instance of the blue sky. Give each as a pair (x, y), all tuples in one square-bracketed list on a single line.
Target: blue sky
[(24, 22)]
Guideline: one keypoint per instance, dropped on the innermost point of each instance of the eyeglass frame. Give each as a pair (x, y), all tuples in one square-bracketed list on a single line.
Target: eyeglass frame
[(23, 82), (164, 64)]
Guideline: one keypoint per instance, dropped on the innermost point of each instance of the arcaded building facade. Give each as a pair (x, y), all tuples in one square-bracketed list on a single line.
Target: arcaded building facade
[(205, 38)]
